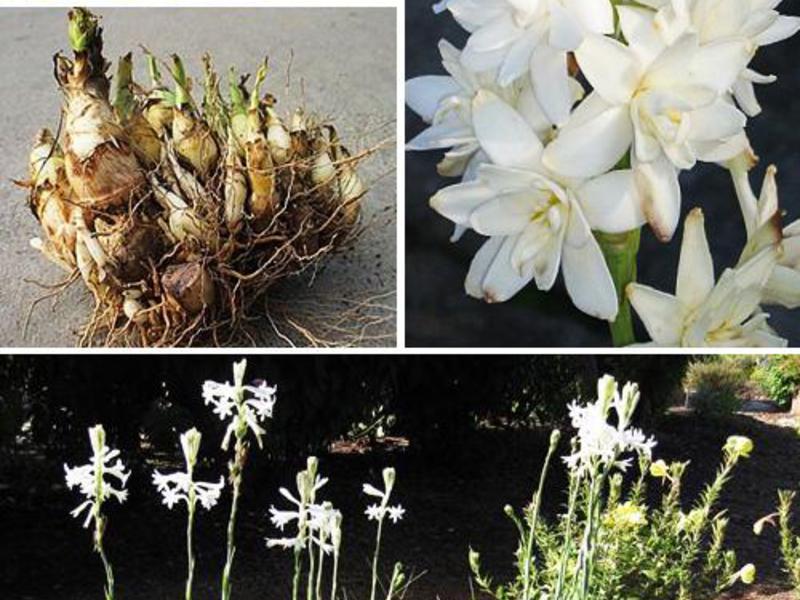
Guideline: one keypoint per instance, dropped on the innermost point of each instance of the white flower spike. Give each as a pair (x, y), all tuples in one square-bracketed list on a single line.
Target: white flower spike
[(245, 405), (601, 444), (702, 314), (377, 512), (93, 479), (180, 487)]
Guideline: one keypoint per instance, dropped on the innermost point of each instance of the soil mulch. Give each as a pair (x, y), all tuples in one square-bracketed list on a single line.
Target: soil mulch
[(454, 495)]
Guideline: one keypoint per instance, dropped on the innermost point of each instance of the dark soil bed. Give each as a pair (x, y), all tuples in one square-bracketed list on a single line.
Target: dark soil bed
[(454, 497)]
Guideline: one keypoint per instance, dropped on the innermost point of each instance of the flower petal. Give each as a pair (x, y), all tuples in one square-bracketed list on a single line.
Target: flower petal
[(503, 134), (611, 67), (585, 271), (457, 202), (696, 267), (611, 132), (423, 94), (491, 276), (783, 28), (611, 202), (660, 194), (661, 314), (551, 83)]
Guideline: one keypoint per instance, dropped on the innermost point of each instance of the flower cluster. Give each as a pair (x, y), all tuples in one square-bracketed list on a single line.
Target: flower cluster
[(177, 487), (92, 479), (547, 168), (377, 512), (598, 442), (245, 405), (317, 523)]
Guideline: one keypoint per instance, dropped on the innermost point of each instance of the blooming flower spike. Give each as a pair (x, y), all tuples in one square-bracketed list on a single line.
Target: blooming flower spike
[(702, 314), (102, 478), (245, 405)]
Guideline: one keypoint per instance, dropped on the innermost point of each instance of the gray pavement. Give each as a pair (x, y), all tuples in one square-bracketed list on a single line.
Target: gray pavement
[(346, 60)]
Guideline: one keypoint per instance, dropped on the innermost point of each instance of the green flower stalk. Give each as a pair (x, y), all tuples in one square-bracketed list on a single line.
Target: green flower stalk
[(179, 487), (245, 406), (379, 512), (92, 481)]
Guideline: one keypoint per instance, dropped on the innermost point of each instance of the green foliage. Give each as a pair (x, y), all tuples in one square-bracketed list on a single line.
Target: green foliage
[(790, 543), (716, 386), (609, 543), (778, 377)]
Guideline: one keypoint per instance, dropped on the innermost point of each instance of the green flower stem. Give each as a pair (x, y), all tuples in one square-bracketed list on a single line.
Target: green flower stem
[(534, 519), (189, 544), (375, 557), (335, 575), (620, 251), (236, 480), (98, 546), (311, 562), (298, 557), (319, 574), (567, 546)]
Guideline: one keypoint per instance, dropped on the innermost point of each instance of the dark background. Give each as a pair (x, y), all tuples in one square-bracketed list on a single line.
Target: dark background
[(440, 314), (467, 435)]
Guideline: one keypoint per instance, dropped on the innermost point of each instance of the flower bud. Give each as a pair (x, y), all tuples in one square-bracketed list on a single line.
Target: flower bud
[(474, 561), (606, 389), (509, 510), (312, 465), (190, 443), (336, 532), (97, 437), (555, 437), (238, 372), (388, 480)]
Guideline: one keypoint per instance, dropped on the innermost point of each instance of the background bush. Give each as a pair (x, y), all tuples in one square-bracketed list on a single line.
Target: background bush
[(778, 377), (715, 386)]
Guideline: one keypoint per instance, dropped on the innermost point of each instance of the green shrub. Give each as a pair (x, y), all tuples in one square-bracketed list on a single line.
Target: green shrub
[(715, 386), (778, 377)]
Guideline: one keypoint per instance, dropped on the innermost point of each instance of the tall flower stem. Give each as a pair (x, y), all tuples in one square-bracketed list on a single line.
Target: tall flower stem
[(311, 571), (620, 251), (335, 575), (189, 543), (109, 589), (376, 557), (537, 503), (567, 546), (236, 481)]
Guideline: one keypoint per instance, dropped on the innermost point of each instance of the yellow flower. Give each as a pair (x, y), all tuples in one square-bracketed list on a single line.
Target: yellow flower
[(659, 469), (748, 573), (739, 446), (627, 515)]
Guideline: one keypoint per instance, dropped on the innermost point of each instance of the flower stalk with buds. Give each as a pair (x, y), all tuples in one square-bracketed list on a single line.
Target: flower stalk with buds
[(92, 481), (246, 406), (178, 487)]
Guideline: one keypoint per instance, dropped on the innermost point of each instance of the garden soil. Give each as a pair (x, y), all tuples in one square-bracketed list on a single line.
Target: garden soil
[(454, 496)]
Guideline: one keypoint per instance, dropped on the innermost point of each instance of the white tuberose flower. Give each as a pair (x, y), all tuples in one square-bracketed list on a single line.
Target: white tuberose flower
[(763, 222), (665, 100), (539, 221), (757, 21), (91, 479), (245, 405), (600, 443), (377, 512), (702, 314), (178, 487), (513, 38)]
